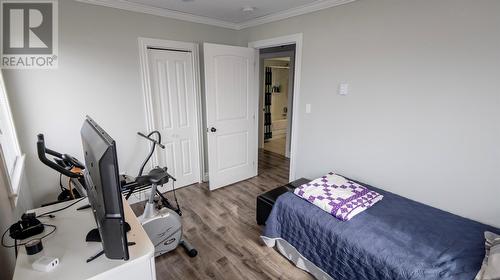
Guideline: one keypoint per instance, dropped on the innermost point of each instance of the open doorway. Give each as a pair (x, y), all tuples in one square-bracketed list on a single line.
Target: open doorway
[(234, 93), (276, 99), (276, 104)]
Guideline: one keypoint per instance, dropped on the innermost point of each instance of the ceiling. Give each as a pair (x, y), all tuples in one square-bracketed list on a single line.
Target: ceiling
[(226, 10), (223, 13)]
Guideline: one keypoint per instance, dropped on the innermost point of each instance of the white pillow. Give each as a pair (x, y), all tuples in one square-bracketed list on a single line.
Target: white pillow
[(490, 270)]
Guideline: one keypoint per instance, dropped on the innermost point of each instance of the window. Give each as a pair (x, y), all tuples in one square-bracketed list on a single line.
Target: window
[(9, 144)]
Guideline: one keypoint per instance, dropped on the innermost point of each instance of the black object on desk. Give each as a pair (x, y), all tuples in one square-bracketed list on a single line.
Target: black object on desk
[(27, 227), (265, 201)]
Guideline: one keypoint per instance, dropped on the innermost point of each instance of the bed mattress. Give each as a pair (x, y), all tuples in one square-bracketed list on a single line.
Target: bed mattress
[(395, 239)]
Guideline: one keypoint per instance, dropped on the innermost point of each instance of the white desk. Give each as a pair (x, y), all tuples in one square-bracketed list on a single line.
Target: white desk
[(68, 244)]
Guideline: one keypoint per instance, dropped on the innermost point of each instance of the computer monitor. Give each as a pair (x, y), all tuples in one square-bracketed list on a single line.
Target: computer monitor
[(103, 190)]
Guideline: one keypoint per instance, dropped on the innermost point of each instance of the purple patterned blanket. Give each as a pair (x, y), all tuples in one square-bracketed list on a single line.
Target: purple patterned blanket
[(338, 196)]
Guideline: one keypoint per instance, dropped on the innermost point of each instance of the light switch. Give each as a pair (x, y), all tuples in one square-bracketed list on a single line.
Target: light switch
[(344, 89), (308, 108)]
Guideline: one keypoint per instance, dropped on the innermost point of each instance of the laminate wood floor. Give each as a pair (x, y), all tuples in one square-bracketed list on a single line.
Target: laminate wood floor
[(221, 226), (276, 145)]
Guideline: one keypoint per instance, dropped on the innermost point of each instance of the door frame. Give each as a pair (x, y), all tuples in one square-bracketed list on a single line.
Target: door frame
[(276, 42), (144, 44)]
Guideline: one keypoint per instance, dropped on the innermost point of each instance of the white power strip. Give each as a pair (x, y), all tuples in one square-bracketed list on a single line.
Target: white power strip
[(45, 264)]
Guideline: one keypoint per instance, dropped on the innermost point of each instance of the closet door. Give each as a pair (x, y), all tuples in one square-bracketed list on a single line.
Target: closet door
[(174, 113)]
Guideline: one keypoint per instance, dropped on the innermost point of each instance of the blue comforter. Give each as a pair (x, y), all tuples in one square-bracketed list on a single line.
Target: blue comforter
[(395, 239)]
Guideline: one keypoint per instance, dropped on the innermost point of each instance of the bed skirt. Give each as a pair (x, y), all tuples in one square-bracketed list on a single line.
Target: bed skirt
[(289, 252)]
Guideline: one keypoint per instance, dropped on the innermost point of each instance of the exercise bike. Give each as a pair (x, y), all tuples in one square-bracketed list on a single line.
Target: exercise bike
[(160, 220)]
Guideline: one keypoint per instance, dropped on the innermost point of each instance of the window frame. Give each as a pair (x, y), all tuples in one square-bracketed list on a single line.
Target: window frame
[(9, 140)]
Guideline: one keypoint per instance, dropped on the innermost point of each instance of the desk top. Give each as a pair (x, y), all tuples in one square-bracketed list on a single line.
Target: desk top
[(68, 244)]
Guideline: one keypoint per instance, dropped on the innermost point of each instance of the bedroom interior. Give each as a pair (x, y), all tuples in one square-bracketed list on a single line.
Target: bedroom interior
[(302, 139)]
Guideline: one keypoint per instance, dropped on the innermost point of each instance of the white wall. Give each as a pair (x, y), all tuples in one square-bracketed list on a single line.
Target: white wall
[(98, 75), (422, 117)]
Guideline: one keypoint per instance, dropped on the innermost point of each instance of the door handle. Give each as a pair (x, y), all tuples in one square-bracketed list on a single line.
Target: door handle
[(213, 129)]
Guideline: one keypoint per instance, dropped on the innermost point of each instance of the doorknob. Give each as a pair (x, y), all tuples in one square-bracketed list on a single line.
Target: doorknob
[(213, 129)]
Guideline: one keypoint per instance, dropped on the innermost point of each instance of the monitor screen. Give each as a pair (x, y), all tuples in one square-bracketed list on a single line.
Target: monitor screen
[(103, 189)]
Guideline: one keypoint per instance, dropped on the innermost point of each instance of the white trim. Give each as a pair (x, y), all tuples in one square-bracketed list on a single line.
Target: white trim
[(8, 112), (144, 43), (305, 9), (256, 91), (145, 9), (14, 176), (15, 180), (280, 41), (162, 12)]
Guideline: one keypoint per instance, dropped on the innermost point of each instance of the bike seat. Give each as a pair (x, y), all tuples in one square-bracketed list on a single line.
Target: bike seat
[(158, 176)]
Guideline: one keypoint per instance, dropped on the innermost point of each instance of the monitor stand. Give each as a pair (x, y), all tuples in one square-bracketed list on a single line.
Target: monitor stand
[(94, 236)]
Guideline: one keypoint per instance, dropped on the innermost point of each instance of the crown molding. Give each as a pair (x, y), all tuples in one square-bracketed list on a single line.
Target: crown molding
[(305, 9), (134, 7)]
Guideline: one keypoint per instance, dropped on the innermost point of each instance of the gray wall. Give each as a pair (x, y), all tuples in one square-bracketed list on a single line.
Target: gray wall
[(98, 75), (422, 115), (10, 214), (421, 118)]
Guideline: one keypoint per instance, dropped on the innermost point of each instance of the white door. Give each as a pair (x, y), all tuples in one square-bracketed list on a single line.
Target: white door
[(231, 108), (174, 114)]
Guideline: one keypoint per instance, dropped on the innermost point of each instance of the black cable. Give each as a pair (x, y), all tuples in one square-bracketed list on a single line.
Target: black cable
[(3, 235), (58, 210), (16, 245)]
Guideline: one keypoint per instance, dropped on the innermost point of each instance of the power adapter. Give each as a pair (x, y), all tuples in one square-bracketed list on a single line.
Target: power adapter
[(27, 227), (45, 264)]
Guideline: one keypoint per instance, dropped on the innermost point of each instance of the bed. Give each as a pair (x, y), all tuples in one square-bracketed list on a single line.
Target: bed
[(396, 238)]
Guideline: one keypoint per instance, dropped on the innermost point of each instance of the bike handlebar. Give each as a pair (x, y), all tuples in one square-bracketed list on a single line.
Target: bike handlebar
[(42, 150), (151, 139)]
